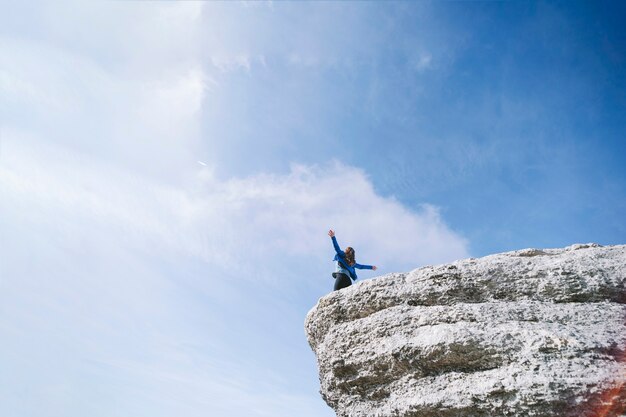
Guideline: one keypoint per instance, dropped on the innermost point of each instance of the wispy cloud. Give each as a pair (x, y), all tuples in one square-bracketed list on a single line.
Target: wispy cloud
[(150, 276), (101, 236), (215, 219), (77, 89), (424, 62)]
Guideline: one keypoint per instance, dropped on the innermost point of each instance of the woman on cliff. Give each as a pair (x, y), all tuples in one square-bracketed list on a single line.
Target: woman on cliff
[(345, 265)]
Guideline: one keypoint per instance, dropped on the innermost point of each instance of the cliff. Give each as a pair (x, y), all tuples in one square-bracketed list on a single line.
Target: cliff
[(525, 333)]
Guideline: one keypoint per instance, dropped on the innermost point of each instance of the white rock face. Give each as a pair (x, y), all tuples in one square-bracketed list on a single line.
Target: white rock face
[(525, 333)]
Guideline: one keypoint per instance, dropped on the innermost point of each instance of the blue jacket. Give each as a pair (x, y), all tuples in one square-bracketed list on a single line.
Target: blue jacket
[(341, 258)]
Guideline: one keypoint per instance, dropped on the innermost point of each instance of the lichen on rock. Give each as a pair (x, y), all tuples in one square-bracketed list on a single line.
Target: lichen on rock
[(524, 333)]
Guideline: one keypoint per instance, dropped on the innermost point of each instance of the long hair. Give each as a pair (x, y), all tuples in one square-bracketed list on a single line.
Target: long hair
[(350, 256)]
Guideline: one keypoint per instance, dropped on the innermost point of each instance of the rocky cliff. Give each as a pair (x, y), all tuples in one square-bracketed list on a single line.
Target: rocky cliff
[(525, 333)]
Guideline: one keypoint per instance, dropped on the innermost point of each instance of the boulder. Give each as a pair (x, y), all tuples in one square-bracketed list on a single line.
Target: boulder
[(524, 333)]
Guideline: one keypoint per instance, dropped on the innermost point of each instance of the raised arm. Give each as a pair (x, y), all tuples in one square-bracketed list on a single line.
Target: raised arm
[(359, 266), (335, 244)]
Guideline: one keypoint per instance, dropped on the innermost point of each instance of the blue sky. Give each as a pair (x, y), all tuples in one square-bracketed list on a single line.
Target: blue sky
[(168, 173)]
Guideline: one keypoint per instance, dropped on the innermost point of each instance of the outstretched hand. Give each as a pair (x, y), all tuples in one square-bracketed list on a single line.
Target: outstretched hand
[(331, 233), (374, 267)]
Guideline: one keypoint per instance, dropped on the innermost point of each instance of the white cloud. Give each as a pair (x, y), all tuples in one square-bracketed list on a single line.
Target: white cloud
[(136, 94), (232, 63), (133, 261), (87, 270), (305, 61), (424, 62), (215, 219), (171, 104)]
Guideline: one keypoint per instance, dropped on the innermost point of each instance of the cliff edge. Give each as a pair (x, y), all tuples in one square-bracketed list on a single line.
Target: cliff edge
[(524, 333)]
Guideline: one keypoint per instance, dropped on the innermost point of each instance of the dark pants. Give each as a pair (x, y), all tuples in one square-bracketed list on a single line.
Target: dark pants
[(341, 281)]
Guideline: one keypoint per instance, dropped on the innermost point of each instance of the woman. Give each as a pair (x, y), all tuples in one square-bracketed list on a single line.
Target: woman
[(345, 265)]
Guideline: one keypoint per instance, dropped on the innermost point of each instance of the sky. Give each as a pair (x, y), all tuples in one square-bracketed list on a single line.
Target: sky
[(169, 172)]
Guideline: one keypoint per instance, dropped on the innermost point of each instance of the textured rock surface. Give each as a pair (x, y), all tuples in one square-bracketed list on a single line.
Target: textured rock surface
[(525, 333)]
